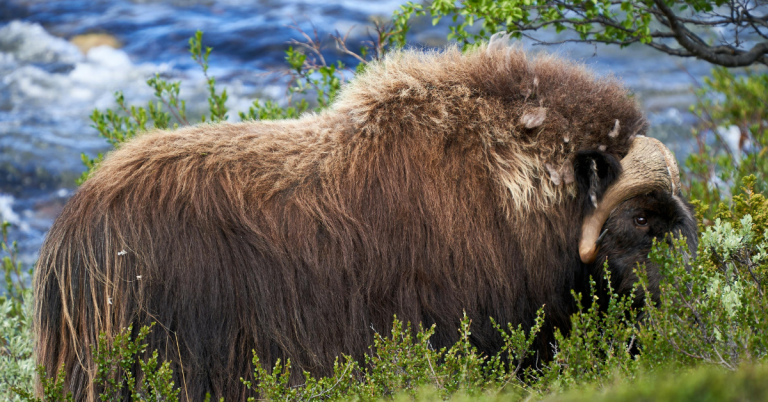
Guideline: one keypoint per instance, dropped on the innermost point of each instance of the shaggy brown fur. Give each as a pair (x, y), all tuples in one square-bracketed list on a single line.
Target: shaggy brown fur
[(429, 189)]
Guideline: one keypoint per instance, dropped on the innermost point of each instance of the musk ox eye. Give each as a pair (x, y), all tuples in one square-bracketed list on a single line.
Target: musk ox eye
[(641, 221)]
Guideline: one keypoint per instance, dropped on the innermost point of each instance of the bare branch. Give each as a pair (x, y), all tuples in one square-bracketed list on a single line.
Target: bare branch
[(315, 46), (735, 58), (341, 44)]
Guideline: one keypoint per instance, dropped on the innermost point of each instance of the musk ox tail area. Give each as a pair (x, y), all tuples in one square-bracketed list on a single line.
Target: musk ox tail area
[(439, 183), (135, 252)]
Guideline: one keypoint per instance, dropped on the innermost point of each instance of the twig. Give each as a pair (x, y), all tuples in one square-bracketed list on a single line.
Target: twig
[(175, 113), (315, 46), (12, 255), (334, 385), (122, 106), (759, 284), (722, 361), (437, 380), (341, 44)]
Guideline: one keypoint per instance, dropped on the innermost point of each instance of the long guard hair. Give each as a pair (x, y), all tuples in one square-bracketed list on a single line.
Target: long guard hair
[(439, 183)]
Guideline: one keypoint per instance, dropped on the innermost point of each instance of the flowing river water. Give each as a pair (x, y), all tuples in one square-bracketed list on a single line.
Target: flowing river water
[(48, 86)]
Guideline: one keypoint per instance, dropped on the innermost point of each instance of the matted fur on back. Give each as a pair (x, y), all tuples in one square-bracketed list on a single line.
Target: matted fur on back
[(439, 183)]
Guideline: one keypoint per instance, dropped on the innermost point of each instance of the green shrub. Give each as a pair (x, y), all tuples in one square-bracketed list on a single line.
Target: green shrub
[(404, 362), (600, 346), (116, 376), (714, 308), (703, 384), (728, 106), (17, 365)]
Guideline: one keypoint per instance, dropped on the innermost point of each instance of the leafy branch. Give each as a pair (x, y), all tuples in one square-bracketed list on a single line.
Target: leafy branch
[(690, 24)]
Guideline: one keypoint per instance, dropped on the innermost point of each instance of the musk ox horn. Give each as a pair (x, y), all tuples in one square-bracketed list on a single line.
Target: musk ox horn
[(648, 166)]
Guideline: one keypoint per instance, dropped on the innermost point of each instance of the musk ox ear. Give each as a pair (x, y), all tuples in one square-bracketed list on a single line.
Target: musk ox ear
[(594, 171)]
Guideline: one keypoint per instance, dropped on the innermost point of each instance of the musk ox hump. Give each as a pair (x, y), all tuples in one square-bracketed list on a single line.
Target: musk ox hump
[(519, 111)]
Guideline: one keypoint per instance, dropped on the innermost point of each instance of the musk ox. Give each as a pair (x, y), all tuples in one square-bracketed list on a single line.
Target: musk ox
[(491, 183)]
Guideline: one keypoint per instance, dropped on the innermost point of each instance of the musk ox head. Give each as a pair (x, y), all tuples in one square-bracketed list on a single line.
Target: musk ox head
[(489, 183), (627, 205)]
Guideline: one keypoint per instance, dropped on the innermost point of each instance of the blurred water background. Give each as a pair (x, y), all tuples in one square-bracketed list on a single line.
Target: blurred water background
[(49, 86)]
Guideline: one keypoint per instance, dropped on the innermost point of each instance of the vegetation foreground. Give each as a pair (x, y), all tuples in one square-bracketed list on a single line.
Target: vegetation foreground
[(706, 340)]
